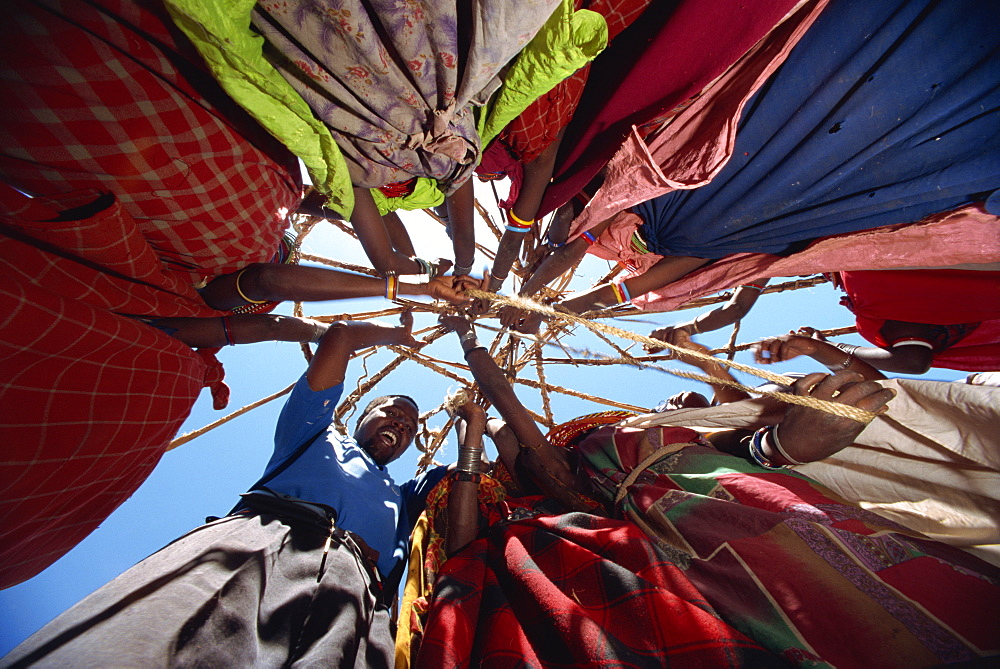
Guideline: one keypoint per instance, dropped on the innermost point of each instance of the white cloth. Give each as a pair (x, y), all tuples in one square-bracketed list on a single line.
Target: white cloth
[(931, 463)]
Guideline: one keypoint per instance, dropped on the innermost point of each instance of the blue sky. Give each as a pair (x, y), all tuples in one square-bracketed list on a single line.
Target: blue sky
[(205, 476)]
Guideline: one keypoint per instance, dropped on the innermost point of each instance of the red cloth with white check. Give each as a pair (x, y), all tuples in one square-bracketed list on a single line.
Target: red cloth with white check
[(155, 180)]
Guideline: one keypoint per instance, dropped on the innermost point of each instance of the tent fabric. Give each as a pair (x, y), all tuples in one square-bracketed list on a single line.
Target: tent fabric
[(869, 122), (661, 62), (931, 463), (936, 297), (107, 96), (396, 81), (148, 180)]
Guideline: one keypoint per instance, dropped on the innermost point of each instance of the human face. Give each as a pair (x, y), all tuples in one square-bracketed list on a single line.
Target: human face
[(387, 430), (687, 400)]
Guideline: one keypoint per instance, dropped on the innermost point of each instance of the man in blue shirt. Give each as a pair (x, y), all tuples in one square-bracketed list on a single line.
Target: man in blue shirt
[(300, 573)]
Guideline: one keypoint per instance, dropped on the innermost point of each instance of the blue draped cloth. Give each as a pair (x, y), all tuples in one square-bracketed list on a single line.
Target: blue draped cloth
[(884, 113)]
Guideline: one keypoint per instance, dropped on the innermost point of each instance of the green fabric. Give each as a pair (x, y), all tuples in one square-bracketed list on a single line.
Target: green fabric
[(568, 41), (425, 194), (220, 30)]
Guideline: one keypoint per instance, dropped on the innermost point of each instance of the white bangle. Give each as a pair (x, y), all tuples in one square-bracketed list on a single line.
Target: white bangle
[(773, 434)]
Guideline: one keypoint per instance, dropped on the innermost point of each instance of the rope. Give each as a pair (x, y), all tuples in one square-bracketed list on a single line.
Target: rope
[(530, 305), (185, 438), (843, 410)]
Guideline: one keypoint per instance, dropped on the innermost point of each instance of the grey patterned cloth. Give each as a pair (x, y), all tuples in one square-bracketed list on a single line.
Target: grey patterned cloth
[(396, 79)]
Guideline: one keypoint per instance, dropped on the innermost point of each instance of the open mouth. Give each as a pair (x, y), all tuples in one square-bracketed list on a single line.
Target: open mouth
[(390, 436)]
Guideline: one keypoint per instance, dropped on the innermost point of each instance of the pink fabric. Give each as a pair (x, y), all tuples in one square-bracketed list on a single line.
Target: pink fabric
[(693, 147), (966, 235)]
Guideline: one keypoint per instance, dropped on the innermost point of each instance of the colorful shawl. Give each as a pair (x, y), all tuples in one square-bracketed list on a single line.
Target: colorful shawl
[(782, 559), (561, 591), (736, 566)]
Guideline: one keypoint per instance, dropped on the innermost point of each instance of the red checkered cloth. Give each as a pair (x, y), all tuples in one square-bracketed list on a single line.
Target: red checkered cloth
[(570, 591), (111, 98), (165, 182), (89, 398)]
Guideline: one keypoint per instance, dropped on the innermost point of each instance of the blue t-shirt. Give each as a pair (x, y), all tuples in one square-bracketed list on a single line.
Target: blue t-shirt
[(335, 471)]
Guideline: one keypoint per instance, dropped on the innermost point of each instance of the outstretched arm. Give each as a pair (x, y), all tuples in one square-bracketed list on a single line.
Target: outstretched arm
[(240, 329), (375, 238), (738, 306), (329, 364), (666, 271), (463, 501), (461, 215), (267, 282), (549, 466), (536, 179), (712, 368), (786, 347), (807, 435)]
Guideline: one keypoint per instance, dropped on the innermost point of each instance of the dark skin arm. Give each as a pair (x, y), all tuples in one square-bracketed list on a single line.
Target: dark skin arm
[(808, 435), (712, 368), (375, 238), (735, 309), (537, 174), (463, 501), (244, 329), (398, 235), (329, 364), (300, 283), (550, 465), (793, 345), (461, 214), (666, 271)]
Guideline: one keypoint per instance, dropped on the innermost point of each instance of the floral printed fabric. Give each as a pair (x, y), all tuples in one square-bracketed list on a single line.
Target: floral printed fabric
[(395, 81)]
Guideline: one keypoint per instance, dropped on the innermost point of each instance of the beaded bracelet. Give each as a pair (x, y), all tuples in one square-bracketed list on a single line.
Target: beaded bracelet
[(589, 238), (227, 332), (515, 224), (428, 268), (622, 292), (241, 293), (461, 269), (391, 286), (757, 453)]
